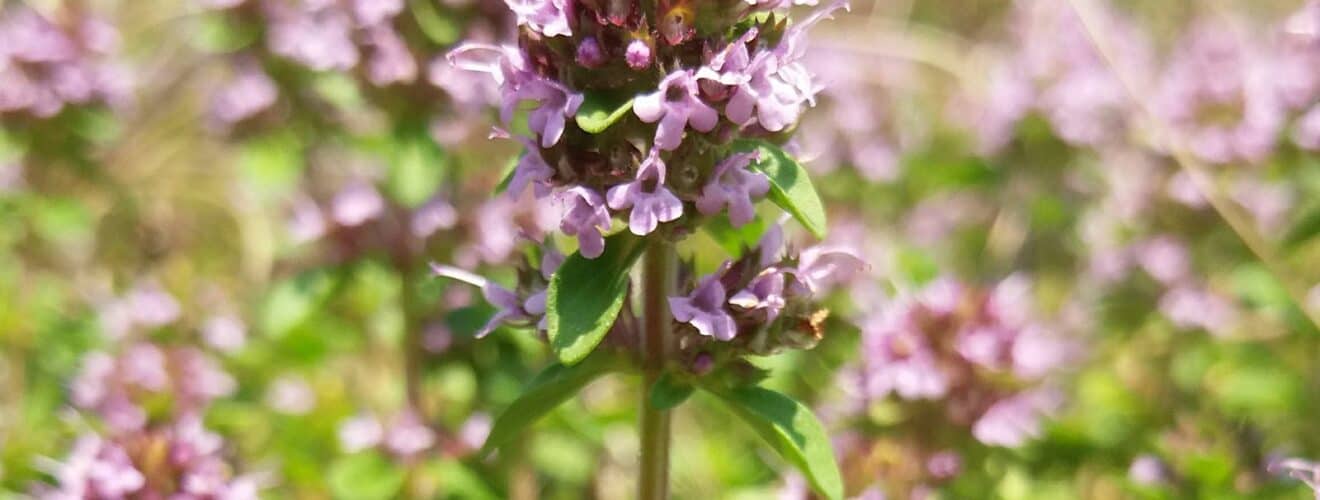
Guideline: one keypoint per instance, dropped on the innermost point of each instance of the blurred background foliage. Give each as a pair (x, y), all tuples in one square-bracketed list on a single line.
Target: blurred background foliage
[(262, 220)]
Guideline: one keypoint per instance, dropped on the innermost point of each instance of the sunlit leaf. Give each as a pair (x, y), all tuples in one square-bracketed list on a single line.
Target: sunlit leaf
[(735, 240), (585, 296), (365, 476), (792, 430), (790, 185), (599, 111), (551, 388)]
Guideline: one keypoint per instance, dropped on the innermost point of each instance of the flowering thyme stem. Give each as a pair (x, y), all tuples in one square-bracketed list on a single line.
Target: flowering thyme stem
[(659, 266)]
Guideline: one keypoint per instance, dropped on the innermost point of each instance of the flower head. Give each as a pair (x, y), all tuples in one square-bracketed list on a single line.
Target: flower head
[(732, 185), (651, 202), (585, 218), (704, 309), (676, 104)]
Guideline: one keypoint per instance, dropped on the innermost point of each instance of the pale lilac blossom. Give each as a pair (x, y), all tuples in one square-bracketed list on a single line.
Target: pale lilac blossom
[(676, 104), (651, 202), (732, 185), (704, 309), (585, 218)]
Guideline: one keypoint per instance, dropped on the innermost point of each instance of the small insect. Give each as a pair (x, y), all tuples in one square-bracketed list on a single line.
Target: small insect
[(677, 20)]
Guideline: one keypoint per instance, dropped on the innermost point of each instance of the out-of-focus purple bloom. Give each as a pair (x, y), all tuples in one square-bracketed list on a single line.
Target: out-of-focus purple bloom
[(510, 306), (589, 53), (638, 55), (1219, 99), (822, 266), (676, 104), (993, 110), (305, 221), (408, 435), (374, 12), (732, 185), (1014, 421), (474, 430), (250, 93), (1188, 306), (391, 62), (290, 395), (547, 17), (152, 306), (531, 170), (1302, 470), (360, 432), (585, 219), (224, 333), (1165, 259), (433, 216), (897, 359), (320, 39), (704, 309), (356, 204), (1148, 470), (944, 465), (651, 202)]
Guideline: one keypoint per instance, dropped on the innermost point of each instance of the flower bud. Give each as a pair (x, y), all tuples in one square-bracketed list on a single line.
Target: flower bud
[(589, 53), (638, 55)]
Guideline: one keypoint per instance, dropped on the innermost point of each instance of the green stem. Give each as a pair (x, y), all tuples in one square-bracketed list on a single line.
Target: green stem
[(659, 266)]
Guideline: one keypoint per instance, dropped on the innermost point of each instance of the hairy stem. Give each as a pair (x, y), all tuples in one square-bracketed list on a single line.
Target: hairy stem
[(659, 265)]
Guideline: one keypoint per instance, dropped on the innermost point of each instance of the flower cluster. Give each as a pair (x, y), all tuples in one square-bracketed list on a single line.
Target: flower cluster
[(945, 342), (151, 399), (373, 42), (122, 389), (759, 304), (47, 65), (692, 86), (179, 460)]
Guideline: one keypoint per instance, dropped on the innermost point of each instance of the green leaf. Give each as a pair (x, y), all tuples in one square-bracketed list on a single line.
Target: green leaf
[(585, 296), (443, 30), (365, 476), (735, 240), (667, 392), (291, 302), (551, 388), (1303, 229), (507, 177), (792, 430), (599, 111), (790, 185), (417, 167), (458, 480)]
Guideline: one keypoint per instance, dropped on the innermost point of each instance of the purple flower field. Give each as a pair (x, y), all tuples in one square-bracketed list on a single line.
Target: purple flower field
[(617, 249)]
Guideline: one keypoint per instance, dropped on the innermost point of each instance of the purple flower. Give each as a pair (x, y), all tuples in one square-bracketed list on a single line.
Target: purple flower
[(433, 216), (557, 103), (585, 218), (408, 435), (247, 95), (704, 309), (676, 104), (589, 53), (356, 204), (776, 84), (224, 333), (651, 202), (638, 55), (391, 62), (530, 170), (1148, 470), (1190, 307), (360, 432), (290, 395), (547, 17), (374, 12), (764, 293), (1302, 470), (510, 306), (896, 358), (1013, 421), (732, 185), (822, 266), (321, 40)]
